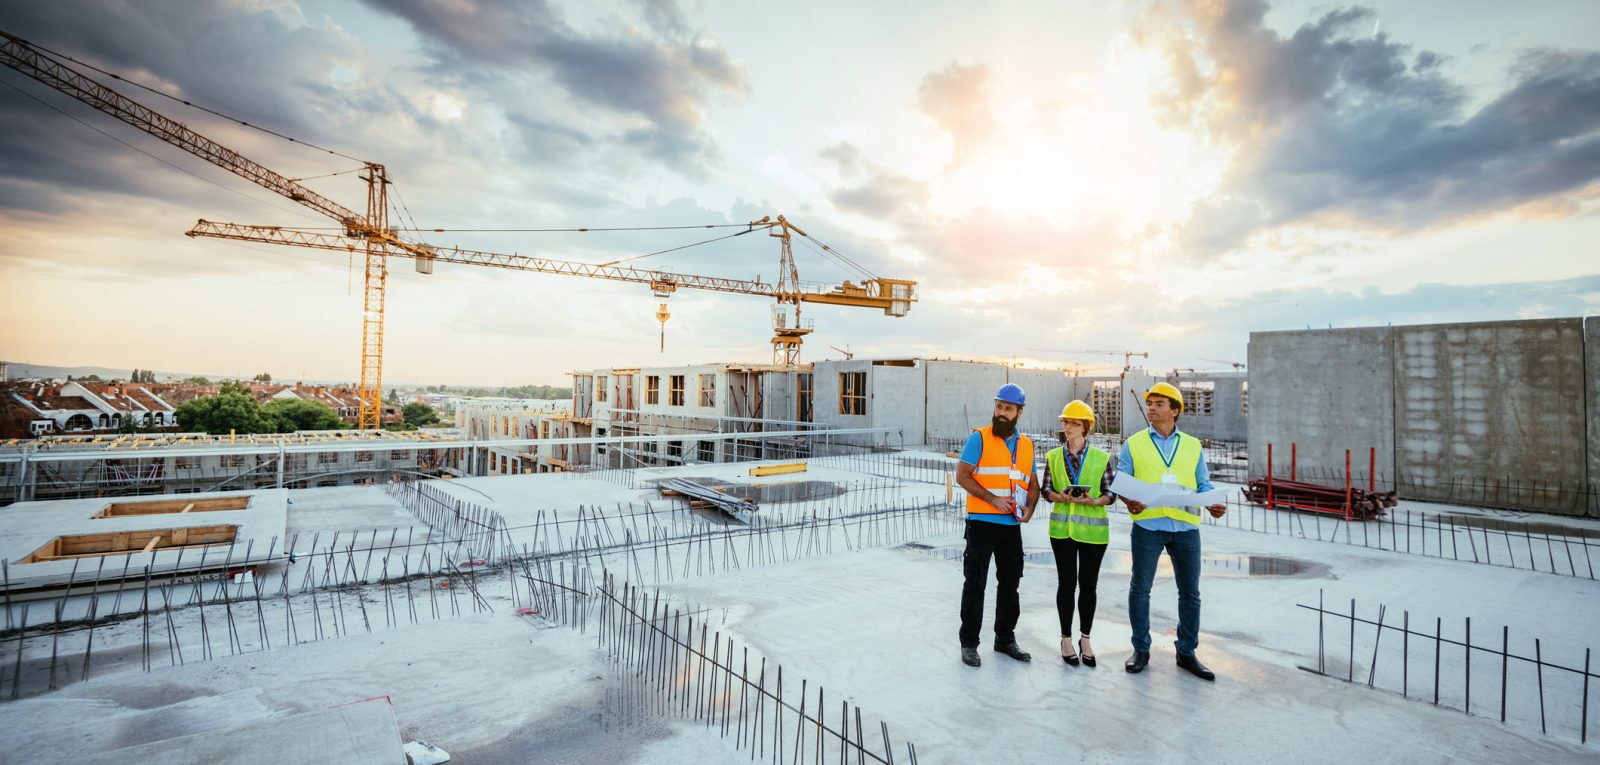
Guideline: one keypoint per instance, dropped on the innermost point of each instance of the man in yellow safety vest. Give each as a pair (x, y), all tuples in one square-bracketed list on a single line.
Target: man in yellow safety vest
[(1162, 454), (996, 470)]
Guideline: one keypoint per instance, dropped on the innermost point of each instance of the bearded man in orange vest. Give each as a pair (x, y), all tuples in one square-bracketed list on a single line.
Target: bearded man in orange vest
[(996, 470)]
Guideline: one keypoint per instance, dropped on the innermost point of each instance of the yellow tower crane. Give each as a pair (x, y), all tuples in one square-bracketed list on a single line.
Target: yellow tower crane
[(372, 235)]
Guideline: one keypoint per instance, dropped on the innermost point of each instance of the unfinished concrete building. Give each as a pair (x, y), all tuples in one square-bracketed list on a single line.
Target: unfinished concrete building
[(1502, 414)]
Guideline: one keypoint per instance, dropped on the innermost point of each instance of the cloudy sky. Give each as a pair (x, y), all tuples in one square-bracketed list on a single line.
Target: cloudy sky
[(1157, 176)]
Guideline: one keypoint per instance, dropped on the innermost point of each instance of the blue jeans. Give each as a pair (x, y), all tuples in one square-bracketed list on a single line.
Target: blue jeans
[(1183, 547)]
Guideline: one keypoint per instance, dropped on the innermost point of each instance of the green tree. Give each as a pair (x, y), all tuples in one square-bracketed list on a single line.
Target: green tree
[(196, 381), (232, 410), (291, 414), (417, 414), (262, 378)]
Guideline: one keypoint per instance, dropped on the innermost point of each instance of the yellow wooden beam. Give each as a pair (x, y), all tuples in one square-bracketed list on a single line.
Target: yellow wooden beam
[(787, 467)]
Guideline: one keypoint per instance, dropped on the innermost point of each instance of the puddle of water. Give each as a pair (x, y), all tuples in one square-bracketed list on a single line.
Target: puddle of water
[(1121, 562), (1517, 526)]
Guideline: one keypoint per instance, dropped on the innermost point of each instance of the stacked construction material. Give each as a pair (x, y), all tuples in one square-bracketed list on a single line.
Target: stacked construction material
[(1300, 495), (701, 495)]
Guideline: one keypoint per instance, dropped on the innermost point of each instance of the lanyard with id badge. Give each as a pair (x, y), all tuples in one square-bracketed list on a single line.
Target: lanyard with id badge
[(1019, 486), (1167, 476)]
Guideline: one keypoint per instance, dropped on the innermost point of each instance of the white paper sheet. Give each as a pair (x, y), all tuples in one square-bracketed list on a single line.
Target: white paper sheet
[(1163, 494)]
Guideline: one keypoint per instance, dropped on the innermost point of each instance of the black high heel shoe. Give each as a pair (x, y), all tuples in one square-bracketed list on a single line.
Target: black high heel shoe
[(1088, 658), (1073, 659)]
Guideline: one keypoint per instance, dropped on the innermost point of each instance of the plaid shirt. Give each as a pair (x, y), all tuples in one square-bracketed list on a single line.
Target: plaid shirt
[(1076, 461)]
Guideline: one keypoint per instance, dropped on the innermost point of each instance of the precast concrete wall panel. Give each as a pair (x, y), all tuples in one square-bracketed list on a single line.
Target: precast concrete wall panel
[(899, 401), (961, 397), (1591, 351), (1493, 413), (1048, 391), (1322, 391)]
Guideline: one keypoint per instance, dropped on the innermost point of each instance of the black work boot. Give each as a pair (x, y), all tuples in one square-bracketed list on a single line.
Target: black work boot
[(1137, 662), (1189, 662), (969, 656), (1013, 650)]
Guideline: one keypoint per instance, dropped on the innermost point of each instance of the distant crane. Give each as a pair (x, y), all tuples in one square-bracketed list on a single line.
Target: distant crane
[(371, 234), (1127, 356), (1236, 365), (845, 350)]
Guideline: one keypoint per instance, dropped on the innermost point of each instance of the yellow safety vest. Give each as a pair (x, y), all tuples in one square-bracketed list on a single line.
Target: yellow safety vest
[(998, 472), (1069, 520), (1151, 467)]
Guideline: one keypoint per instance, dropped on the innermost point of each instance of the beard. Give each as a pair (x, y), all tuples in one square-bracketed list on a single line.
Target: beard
[(1003, 428)]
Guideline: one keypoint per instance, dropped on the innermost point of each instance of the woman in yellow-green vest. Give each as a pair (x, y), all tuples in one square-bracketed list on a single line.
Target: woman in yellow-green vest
[(1078, 482)]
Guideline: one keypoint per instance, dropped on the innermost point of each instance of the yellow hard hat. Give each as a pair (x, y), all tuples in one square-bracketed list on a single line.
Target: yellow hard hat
[(1077, 410), (1166, 389)]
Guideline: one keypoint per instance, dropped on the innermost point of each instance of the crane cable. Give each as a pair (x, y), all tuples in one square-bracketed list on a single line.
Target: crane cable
[(170, 164), (142, 86), (675, 249)]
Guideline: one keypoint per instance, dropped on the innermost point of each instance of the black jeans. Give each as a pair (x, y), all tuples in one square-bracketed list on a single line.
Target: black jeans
[(1004, 544), (1077, 567)]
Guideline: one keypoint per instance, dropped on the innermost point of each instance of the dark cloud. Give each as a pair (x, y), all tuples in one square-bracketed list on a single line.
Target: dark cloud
[(247, 64), (655, 89), (1333, 121), (957, 98)]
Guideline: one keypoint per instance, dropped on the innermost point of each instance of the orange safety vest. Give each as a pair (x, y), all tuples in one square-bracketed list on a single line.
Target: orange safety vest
[(998, 472)]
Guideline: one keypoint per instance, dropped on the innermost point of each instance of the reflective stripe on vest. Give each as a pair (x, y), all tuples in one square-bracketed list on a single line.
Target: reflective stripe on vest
[(997, 472), (1150, 467), (1069, 520)]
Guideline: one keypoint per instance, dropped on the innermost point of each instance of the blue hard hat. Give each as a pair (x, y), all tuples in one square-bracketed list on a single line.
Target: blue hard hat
[(1012, 394)]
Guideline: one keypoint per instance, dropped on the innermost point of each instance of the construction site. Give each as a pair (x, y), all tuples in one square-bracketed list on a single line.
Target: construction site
[(761, 560)]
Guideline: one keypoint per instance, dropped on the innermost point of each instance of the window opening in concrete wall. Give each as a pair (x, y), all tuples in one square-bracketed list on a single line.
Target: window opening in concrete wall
[(398, 456), (804, 403), (600, 389), (674, 448), (706, 451), (652, 389), (853, 393), (1198, 397), (675, 395), (232, 460), (185, 463), (160, 507), (708, 390), (1244, 399), (363, 456), (124, 542), (327, 458), (600, 433)]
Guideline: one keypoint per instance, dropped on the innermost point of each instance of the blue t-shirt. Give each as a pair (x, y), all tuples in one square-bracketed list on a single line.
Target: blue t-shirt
[(971, 452)]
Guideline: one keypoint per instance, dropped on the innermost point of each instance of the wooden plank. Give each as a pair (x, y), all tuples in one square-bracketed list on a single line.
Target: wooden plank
[(787, 467), (186, 508), (155, 540)]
